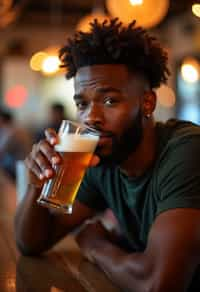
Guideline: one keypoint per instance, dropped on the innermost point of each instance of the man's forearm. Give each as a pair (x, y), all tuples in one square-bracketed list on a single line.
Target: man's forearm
[(32, 223), (128, 271)]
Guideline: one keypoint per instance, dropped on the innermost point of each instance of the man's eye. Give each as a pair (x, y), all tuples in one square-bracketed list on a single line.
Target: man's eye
[(109, 101)]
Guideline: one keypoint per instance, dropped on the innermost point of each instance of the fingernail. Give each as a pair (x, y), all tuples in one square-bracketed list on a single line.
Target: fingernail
[(55, 159), (41, 176), (48, 172), (53, 140)]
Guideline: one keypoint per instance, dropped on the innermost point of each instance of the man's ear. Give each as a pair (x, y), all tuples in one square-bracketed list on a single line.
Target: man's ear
[(149, 103)]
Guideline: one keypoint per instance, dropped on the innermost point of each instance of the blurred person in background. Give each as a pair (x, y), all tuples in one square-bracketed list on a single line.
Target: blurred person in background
[(147, 172), (55, 117), (15, 142)]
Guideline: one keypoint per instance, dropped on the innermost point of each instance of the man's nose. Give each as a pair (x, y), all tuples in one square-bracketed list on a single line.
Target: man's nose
[(94, 116)]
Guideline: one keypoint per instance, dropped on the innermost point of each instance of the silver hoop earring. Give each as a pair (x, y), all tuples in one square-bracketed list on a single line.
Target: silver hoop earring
[(147, 116)]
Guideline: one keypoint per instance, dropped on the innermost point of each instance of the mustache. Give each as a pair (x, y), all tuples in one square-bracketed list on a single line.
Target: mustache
[(106, 134), (103, 132)]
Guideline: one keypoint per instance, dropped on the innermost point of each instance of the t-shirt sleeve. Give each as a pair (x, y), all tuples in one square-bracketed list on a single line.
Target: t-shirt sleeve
[(89, 193), (179, 176)]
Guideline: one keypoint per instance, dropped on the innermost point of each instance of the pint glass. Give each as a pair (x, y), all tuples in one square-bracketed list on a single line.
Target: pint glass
[(76, 146)]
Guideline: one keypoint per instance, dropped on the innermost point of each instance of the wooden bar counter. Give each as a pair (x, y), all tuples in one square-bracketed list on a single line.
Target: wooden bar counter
[(61, 269)]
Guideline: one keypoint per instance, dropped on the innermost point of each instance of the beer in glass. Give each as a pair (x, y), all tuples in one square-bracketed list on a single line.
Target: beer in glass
[(76, 146)]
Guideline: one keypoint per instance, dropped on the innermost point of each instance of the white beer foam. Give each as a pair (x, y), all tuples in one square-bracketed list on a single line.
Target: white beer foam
[(77, 143)]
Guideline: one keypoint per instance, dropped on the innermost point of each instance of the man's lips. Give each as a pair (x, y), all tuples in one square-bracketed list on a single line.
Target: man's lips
[(104, 138)]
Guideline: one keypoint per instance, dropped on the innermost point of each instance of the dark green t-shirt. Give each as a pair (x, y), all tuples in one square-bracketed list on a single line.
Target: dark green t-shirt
[(173, 181)]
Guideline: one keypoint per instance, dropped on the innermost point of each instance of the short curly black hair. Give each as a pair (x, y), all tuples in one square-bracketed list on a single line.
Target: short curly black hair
[(112, 43)]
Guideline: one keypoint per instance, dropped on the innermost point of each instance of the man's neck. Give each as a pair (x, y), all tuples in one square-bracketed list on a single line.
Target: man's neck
[(139, 161)]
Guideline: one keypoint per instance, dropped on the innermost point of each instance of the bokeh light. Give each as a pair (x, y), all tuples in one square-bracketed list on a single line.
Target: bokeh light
[(136, 2), (166, 96), (16, 96), (190, 70), (50, 65), (196, 9), (147, 14), (37, 60)]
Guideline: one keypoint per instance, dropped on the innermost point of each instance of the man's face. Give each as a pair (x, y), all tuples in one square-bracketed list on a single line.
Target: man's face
[(108, 98)]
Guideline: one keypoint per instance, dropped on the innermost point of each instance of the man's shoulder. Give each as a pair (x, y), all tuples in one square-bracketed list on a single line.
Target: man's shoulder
[(184, 127), (177, 140), (178, 130)]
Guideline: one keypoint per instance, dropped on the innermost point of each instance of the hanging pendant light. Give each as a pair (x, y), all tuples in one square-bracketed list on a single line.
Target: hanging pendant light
[(147, 13), (47, 61)]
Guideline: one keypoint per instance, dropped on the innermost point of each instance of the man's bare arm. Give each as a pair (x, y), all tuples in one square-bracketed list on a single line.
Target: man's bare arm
[(36, 227), (167, 264)]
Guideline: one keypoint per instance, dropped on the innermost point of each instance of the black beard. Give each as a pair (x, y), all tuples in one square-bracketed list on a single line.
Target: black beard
[(126, 144)]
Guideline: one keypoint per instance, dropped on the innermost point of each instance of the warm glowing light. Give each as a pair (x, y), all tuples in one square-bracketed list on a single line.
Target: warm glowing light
[(196, 9), (149, 14), (46, 61), (136, 2), (16, 96), (50, 65), (84, 24), (189, 73), (37, 60), (190, 70), (166, 96)]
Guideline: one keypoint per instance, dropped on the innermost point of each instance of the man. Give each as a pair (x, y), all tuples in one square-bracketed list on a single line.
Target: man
[(15, 143), (148, 173)]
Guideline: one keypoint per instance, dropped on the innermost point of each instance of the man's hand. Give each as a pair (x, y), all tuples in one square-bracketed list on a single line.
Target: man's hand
[(43, 158), (90, 237)]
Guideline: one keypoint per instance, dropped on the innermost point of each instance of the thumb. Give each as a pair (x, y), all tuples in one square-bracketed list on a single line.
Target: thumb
[(94, 160)]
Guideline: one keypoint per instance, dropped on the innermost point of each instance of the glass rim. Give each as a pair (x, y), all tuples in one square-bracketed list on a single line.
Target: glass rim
[(94, 131)]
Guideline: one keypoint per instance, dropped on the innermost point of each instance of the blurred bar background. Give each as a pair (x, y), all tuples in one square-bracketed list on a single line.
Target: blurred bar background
[(31, 26), (32, 31)]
